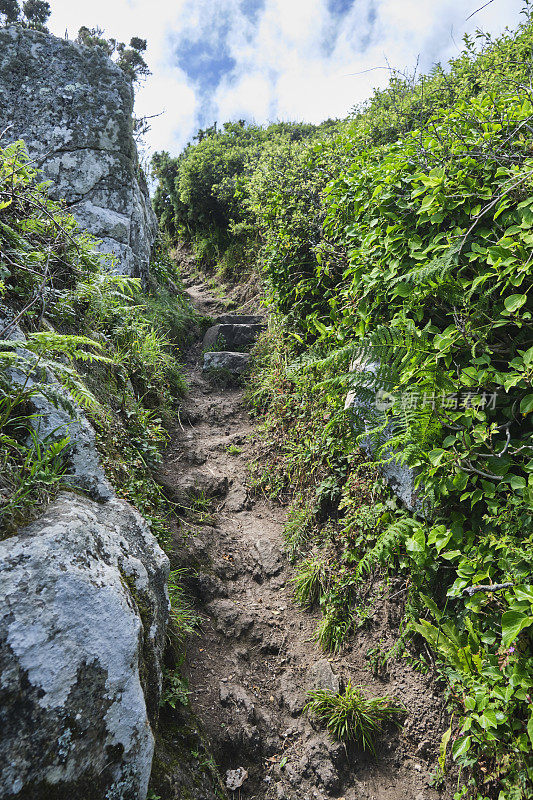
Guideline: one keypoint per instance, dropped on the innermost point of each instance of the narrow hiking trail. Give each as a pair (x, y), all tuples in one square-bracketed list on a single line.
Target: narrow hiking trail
[(255, 658)]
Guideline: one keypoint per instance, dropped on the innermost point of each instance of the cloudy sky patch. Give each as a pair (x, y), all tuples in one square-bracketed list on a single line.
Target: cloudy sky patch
[(263, 60)]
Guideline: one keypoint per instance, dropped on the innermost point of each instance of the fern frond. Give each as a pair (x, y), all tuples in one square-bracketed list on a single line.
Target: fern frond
[(388, 542), (382, 354), (437, 271)]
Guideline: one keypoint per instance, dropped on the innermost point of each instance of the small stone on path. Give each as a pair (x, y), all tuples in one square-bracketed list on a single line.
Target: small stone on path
[(235, 778)]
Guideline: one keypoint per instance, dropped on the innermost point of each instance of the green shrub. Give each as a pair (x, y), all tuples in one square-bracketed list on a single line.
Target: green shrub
[(51, 274)]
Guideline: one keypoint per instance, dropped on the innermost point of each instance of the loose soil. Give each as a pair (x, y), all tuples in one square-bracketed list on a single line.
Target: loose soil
[(255, 657)]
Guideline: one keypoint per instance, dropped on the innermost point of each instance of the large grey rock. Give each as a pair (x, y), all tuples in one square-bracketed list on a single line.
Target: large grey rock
[(73, 108), (232, 337), (236, 363), (83, 611)]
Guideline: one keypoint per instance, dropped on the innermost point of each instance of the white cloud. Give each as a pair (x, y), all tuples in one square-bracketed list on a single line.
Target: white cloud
[(293, 60)]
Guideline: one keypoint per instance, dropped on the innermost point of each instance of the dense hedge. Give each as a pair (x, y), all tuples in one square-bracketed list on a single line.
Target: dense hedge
[(201, 195)]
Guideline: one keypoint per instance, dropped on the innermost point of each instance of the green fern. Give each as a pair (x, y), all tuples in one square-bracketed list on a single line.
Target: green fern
[(393, 360), (388, 543), (32, 358), (437, 271)]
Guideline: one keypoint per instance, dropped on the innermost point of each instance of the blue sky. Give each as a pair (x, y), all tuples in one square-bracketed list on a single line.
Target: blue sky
[(264, 60)]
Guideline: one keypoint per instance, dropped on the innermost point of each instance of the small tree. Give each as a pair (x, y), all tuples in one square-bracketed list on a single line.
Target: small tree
[(36, 12), (138, 44), (94, 37), (129, 58), (10, 11), (131, 61)]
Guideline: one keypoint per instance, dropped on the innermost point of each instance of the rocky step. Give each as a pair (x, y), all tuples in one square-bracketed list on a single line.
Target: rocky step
[(236, 363), (232, 337)]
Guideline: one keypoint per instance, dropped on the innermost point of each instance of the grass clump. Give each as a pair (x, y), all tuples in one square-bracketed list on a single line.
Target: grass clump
[(310, 582), (350, 717), (184, 621), (299, 526)]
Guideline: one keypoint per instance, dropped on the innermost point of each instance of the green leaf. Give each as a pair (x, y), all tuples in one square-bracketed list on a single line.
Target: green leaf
[(526, 405), (513, 622), (528, 356), (516, 481), (514, 302), (444, 746), (436, 456), (403, 290), (461, 746), (488, 719)]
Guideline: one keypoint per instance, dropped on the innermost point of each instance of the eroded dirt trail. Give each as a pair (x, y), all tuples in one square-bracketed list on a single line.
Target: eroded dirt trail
[(255, 659)]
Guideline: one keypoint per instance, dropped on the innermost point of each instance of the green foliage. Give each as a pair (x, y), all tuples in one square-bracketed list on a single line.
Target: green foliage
[(184, 620), (397, 253), (175, 690), (30, 473), (437, 225), (310, 582), (34, 13), (205, 194), (350, 717), (129, 59), (108, 351), (387, 545), (300, 518)]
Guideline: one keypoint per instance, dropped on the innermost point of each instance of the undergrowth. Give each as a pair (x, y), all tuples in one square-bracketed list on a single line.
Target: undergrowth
[(110, 346)]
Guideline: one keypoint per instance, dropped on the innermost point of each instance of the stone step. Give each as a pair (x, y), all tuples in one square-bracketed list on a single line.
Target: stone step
[(235, 363)]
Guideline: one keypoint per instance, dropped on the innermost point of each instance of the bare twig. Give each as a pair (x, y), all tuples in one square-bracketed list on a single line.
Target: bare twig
[(495, 587), (478, 10)]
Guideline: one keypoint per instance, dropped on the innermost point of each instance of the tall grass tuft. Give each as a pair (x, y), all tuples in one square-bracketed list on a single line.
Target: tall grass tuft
[(350, 717)]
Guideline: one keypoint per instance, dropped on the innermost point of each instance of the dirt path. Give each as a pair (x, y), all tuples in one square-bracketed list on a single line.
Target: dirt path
[(255, 659)]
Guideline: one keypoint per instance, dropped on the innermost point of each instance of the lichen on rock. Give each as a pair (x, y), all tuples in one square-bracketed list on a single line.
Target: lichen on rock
[(72, 106), (74, 644)]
